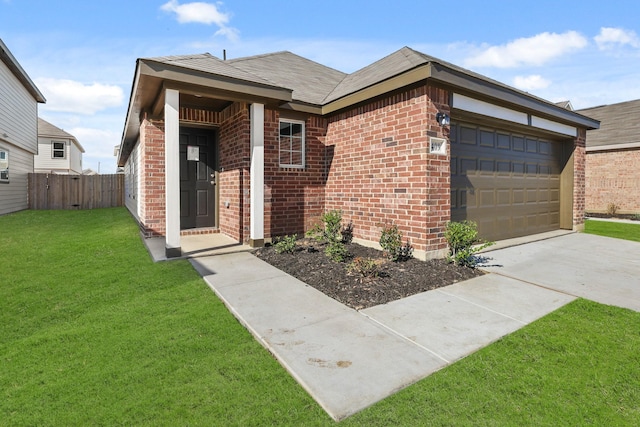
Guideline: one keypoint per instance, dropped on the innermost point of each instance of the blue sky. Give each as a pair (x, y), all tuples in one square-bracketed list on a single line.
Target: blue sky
[(81, 54)]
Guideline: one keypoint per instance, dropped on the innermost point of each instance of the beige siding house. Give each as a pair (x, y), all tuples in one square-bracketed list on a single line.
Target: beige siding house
[(18, 131), (59, 152)]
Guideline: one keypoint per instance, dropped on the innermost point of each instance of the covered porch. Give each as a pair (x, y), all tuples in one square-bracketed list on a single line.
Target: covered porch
[(198, 137)]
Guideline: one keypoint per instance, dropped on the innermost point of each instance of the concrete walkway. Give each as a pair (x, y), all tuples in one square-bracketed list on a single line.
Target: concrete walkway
[(347, 359)]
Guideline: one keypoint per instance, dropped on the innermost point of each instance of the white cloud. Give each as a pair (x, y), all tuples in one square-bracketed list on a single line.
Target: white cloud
[(536, 50), (608, 38), (202, 13), (75, 97), (532, 82)]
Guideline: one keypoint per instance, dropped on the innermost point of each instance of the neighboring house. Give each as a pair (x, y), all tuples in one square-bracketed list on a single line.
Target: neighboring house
[(59, 152), (260, 147), (613, 158), (19, 98)]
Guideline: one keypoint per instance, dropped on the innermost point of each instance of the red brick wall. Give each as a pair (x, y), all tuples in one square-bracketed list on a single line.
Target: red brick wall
[(151, 178), (381, 171), (613, 177), (579, 178), (234, 141), (294, 198)]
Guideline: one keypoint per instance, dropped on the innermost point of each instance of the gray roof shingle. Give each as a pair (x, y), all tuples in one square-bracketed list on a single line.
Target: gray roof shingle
[(311, 82), (619, 124), (208, 63)]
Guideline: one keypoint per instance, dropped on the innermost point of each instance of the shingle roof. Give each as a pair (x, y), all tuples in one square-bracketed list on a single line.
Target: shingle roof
[(619, 124), (311, 82), (208, 63), (46, 129)]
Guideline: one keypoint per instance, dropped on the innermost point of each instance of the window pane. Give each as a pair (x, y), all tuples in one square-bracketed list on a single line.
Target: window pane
[(296, 144), (58, 154), (296, 158), (284, 158), (285, 128), (58, 145), (297, 129)]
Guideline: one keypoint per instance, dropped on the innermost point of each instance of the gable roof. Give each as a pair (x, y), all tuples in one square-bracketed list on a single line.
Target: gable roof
[(619, 126), (288, 81), (209, 64), (311, 82), (47, 130), (13, 65)]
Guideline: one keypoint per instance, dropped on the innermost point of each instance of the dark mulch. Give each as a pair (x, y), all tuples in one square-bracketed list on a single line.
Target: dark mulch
[(396, 280)]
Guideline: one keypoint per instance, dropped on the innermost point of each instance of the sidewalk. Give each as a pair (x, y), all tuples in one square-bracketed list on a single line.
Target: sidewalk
[(346, 359)]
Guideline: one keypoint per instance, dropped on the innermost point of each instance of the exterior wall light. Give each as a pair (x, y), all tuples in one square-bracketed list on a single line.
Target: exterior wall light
[(443, 119)]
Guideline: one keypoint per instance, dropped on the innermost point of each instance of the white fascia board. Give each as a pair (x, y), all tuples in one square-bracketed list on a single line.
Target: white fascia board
[(471, 105), (546, 124)]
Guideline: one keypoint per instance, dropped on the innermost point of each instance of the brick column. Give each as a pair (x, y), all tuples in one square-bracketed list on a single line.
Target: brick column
[(579, 156)]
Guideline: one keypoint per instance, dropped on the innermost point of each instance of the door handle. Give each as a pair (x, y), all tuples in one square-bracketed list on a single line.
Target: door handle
[(213, 179)]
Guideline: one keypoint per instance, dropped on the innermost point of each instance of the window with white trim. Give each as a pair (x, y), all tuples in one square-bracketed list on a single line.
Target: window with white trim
[(291, 144), (58, 149), (4, 166)]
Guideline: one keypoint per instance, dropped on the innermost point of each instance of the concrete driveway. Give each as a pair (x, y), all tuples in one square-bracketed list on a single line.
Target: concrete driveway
[(598, 268)]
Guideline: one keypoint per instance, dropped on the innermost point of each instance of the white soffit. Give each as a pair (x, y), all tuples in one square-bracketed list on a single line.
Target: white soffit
[(471, 105), (545, 124)]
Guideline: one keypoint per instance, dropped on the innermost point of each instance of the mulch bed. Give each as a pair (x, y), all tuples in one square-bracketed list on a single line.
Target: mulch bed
[(396, 279)]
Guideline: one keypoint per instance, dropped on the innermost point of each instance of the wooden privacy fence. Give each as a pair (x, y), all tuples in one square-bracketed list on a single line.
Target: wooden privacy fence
[(48, 191)]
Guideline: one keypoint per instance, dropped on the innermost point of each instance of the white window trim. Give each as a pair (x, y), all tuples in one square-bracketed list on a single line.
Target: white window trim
[(64, 149), (5, 160), (304, 143)]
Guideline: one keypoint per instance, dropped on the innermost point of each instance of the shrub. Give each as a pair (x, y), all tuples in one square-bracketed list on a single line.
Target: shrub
[(366, 267), (461, 237), (612, 209), (336, 251), (347, 233), (329, 230), (391, 243), (286, 244)]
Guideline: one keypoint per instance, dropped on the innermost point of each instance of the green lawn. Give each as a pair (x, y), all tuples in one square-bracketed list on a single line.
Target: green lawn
[(93, 333), (620, 230)]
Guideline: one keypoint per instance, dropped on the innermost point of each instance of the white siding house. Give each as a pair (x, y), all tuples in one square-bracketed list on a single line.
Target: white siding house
[(19, 98), (59, 152)]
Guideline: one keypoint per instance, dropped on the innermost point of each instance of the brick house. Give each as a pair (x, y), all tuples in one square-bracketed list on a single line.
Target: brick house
[(613, 158), (259, 147)]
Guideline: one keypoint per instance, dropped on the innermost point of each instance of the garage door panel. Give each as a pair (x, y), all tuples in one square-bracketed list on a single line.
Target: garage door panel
[(503, 198), (509, 184)]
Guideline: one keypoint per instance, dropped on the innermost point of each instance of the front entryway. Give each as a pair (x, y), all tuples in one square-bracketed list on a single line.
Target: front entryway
[(198, 166)]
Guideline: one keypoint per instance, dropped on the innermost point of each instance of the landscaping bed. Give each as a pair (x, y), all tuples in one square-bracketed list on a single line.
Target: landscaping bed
[(395, 280)]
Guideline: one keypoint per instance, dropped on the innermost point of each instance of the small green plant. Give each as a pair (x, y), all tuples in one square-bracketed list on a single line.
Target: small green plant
[(286, 244), (336, 251), (464, 243), (366, 267), (636, 217), (329, 229), (612, 209), (391, 243)]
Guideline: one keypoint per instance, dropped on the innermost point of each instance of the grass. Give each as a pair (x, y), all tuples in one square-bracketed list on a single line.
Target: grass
[(93, 333), (619, 230)]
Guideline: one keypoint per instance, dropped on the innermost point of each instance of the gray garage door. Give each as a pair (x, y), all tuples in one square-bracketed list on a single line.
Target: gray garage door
[(508, 183)]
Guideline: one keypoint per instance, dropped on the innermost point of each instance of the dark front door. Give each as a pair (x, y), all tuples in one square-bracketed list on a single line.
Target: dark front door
[(197, 178)]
